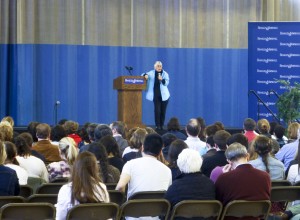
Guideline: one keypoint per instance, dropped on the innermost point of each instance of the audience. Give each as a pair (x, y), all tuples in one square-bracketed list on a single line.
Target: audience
[(118, 131), (294, 171), (202, 124), (191, 184), (85, 186), (91, 133), (29, 142), (102, 130), (9, 184), (146, 173), (249, 129), (173, 127), (57, 133), (210, 147), (71, 128), (31, 128), (83, 133), (7, 131), (279, 131), (168, 138)]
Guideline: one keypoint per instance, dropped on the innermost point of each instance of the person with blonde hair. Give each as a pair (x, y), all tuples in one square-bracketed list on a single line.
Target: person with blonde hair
[(85, 186), (9, 184), (68, 153), (9, 119), (263, 127), (7, 131)]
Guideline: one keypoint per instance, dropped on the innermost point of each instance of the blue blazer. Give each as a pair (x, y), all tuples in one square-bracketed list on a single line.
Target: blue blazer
[(165, 94)]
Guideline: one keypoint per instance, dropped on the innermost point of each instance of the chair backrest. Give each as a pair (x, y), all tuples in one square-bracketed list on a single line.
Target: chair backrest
[(116, 196), (11, 199), (276, 183), (145, 207), (60, 180), (25, 191), (197, 208), (50, 198), (93, 211), (26, 211), (285, 194), (148, 195), (111, 186), (49, 188), (243, 208)]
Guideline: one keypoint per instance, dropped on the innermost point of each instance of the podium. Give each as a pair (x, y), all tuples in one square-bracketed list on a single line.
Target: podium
[(130, 99)]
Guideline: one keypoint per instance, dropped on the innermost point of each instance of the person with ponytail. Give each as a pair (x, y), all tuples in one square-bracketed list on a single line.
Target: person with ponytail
[(85, 186), (68, 153), (265, 162)]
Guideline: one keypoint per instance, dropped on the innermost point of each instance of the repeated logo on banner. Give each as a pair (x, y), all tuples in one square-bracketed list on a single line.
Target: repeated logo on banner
[(273, 54)]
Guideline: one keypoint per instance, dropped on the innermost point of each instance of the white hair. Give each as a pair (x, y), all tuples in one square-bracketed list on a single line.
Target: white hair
[(189, 161), (68, 149), (157, 63)]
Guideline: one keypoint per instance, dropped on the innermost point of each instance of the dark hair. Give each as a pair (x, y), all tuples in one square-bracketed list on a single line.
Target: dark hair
[(174, 150), (23, 149), (173, 124), (249, 124), (279, 131), (153, 144), (263, 146), (202, 124), (210, 140), (43, 131), (91, 131), (99, 151), (239, 138), (28, 138), (57, 133), (11, 152), (71, 127), (31, 128), (111, 145), (119, 126), (83, 133), (62, 121), (211, 130), (220, 139), (193, 127), (101, 131), (168, 138), (220, 125)]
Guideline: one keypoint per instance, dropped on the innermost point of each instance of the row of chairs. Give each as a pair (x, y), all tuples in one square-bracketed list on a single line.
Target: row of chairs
[(140, 208)]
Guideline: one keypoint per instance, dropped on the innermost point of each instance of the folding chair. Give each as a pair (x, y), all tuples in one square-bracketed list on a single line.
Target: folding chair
[(25, 191), (49, 188), (116, 197), (11, 199), (276, 183), (285, 194), (148, 195), (37, 198)]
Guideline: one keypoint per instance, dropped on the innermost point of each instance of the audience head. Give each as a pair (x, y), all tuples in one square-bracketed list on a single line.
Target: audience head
[(137, 138), (193, 128), (57, 133), (239, 138), (173, 124), (62, 121), (43, 131), (235, 152), (130, 133), (263, 126), (293, 130), (210, 142), (168, 138), (220, 125), (9, 119), (84, 134), (71, 127), (117, 127), (153, 145), (31, 128), (249, 124), (202, 124), (111, 146), (28, 138), (2, 153), (211, 130), (91, 131), (11, 152), (150, 130), (189, 161), (279, 131), (23, 149), (102, 130), (175, 149), (220, 139), (68, 149), (263, 146), (273, 124), (7, 131)]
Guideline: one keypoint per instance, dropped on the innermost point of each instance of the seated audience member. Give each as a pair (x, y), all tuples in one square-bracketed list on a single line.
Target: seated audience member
[(220, 125), (91, 133), (9, 184), (191, 184), (146, 173), (62, 121), (288, 152), (218, 159), (193, 141), (11, 121), (168, 138), (245, 176), (7, 131), (135, 148), (31, 129), (83, 133), (275, 168), (71, 128), (29, 141), (239, 138), (176, 148), (249, 129), (173, 127), (113, 152), (210, 147), (101, 131), (152, 131), (68, 153), (108, 173), (11, 162), (57, 133), (202, 124), (294, 171), (85, 186), (279, 131), (130, 133), (263, 127), (118, 131), (34, 166), (210, 130), (44, 146)]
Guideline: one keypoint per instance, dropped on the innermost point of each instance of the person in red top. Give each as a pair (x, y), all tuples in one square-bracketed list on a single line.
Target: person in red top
[(71, 128), (249, 129)]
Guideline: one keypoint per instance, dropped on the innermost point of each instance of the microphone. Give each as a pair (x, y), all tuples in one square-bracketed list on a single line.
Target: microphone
[(57, 103)]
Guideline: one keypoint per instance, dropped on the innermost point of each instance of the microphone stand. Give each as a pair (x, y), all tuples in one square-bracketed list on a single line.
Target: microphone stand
[(57, 103)]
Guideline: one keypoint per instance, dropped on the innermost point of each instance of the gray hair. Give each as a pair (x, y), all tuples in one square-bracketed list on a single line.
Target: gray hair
[(235, 151), (189, 161), (157, 63)]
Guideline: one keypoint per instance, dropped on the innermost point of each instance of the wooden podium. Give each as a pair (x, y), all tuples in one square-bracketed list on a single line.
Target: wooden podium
[(130, 99)]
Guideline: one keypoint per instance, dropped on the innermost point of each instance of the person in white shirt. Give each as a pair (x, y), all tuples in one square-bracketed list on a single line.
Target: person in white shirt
[(193, 141)]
